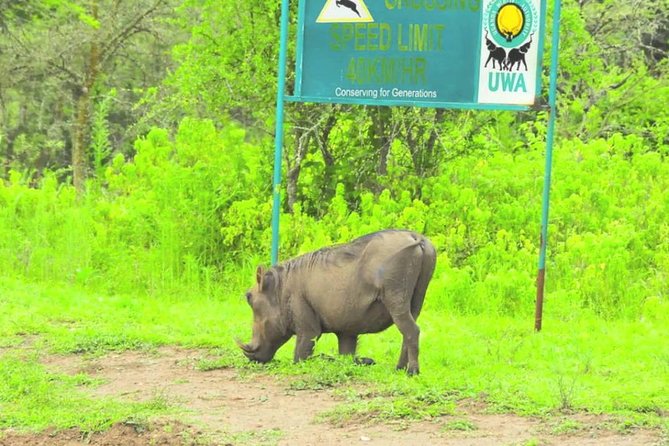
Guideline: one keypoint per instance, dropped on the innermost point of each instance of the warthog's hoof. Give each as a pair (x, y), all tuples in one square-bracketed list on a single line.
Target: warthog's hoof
[(363, 361), (411, 371)]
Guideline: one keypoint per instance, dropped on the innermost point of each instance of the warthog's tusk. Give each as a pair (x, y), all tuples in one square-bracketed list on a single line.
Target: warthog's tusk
[(245, 347)]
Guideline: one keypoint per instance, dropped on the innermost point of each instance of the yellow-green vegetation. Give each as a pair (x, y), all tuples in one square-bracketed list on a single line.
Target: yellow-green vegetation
[(135, 206), (32, 398), (580, 363), (158, 258)]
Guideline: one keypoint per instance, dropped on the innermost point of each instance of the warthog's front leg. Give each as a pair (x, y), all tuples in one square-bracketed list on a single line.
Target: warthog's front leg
[(307, 329), (304, 346)]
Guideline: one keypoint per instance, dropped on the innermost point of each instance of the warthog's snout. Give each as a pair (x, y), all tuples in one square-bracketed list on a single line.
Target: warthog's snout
[(254, 353)]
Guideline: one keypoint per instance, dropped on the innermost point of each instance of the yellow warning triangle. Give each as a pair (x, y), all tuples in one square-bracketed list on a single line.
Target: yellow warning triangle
[(344, 11)]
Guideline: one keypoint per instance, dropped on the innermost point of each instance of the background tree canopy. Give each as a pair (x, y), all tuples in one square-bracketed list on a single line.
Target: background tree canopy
[(83, 79)]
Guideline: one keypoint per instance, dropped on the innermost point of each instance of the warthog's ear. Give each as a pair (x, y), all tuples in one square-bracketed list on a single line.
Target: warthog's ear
[(265, 279), (260, 272), (268, 282)]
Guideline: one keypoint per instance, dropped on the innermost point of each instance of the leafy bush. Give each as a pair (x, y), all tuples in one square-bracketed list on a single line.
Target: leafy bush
[(167, 219), (186, 209)]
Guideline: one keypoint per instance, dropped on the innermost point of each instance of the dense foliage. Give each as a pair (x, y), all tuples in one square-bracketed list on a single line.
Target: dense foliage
[(189, 199), (183, 211)]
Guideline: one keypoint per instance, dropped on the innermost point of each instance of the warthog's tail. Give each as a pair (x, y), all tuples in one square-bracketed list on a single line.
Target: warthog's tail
[(429, 259)]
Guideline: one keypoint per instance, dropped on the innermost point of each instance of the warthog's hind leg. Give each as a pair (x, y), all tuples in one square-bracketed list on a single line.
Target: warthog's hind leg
[(404, 357), (363, 361), (410, 334), (347, 344)]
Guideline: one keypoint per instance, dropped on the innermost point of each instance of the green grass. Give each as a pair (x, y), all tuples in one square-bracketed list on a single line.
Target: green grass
[(268, 437), (580, 364), (459, 425), (32, 398)]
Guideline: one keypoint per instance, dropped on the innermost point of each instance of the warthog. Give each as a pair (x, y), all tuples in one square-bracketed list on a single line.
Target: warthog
[(360, 287)]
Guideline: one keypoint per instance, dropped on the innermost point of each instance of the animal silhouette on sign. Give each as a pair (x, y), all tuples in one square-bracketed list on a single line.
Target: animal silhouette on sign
[(350, 4), (495, 53), (517, 55)]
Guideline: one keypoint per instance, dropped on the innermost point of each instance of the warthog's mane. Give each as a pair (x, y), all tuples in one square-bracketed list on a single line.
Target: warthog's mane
[(329, 256)]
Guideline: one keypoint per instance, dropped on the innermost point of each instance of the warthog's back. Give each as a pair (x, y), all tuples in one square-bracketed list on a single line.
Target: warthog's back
[(344, 284)]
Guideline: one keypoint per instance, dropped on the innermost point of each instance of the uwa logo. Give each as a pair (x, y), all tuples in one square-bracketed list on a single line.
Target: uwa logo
[(508, 51)]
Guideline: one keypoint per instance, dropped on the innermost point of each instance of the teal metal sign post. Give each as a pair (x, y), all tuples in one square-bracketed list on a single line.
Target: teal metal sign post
[(471, 54), (278, 131), (552, 90)]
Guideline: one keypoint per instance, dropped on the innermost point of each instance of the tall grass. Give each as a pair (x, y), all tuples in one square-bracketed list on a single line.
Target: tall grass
[(178, 217)]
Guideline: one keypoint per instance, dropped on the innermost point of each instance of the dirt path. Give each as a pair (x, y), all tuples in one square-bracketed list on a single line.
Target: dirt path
[(224, 408)]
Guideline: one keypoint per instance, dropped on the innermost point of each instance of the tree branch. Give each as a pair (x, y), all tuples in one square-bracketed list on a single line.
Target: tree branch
[(114, 43)]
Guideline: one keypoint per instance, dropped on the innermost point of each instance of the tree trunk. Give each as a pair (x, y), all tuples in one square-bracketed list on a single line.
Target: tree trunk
[(83, 120), (79, 142), (302, 140), (381, 137)]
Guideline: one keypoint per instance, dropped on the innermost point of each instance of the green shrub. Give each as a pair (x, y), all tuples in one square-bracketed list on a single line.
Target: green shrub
[(173, 218)]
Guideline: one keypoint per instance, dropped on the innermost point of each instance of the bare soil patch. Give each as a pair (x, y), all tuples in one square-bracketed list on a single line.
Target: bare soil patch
[(224, 407), (119, 435)]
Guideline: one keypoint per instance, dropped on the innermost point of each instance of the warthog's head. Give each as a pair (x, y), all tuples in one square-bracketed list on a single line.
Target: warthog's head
[(269, 330)]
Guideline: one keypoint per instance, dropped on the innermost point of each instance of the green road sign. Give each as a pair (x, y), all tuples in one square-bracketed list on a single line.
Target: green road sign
[(433, 53)]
